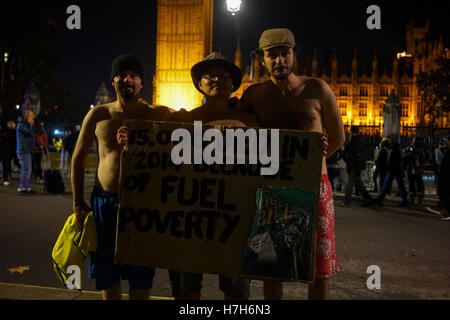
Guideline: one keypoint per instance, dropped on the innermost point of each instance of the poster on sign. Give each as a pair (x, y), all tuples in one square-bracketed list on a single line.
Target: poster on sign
[(188, 194)]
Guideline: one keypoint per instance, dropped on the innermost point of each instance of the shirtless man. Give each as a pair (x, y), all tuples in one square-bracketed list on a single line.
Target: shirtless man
[(101, 125), (216, 78), (288, 101)]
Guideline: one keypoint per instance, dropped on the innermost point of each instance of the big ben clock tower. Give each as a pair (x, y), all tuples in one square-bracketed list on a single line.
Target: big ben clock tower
[(184, 37)]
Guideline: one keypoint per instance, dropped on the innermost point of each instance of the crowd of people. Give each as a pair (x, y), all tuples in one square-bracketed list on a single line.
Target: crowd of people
[(25, 146), (391, 162)]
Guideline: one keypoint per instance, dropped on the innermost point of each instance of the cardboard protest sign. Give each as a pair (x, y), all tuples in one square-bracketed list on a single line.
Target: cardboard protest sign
[(280, 244), (198, 217)]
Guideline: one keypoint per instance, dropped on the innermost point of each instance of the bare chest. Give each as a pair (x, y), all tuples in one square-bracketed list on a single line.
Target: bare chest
[(105, 132), (295, 113)]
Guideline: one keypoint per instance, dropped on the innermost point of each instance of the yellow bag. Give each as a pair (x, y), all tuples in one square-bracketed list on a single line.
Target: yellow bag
[(74, 244)]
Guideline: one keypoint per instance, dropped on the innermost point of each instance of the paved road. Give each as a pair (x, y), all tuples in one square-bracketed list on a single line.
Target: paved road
[(410, 246)]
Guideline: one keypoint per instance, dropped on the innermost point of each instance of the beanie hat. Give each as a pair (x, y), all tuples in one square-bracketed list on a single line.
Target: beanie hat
[(127, 61)]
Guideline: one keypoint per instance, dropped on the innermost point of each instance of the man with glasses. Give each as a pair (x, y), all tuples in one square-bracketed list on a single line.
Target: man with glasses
[(216, 78)]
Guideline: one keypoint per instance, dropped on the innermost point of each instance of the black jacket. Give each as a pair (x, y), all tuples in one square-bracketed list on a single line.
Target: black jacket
[(354, 154), (5, 140), (444, 170), (382, 160), (395, 160)]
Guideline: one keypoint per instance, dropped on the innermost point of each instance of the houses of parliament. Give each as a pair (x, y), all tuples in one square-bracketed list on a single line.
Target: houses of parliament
[(184, 37), (362, 95)]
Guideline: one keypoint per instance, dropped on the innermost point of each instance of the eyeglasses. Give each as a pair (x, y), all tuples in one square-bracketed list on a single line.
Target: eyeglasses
[(223, 76)]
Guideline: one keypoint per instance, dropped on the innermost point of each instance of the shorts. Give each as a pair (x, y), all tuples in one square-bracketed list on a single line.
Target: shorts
[(326, 260), (101, 263), (185, 284)]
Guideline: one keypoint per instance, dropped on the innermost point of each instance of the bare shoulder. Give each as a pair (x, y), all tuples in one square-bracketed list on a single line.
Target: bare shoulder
[(256, 89), (99, 113), (317, 85), (157, 112)]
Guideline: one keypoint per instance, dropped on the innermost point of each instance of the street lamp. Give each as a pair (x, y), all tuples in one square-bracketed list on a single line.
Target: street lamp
[(233, 6)]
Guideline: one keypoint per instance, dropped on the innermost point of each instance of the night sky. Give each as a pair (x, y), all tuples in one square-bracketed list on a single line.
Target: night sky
[(109, 29)]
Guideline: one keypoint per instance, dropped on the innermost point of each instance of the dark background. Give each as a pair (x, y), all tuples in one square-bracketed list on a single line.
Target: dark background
[(110, 28)]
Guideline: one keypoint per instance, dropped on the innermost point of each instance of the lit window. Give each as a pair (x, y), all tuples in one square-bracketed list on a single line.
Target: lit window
[(343, 91), (343, 108), (363, 109), (404, 109)]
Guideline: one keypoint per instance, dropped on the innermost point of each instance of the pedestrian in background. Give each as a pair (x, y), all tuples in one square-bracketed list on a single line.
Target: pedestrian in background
[(25, 145), (341, 170), (415, 166), (444, 182), (58, 143), (437, 159), (69, 144), (381, 164), (395, 171), (354, 157), (40, 145), (5, 154), (13, 146), (332, 169)]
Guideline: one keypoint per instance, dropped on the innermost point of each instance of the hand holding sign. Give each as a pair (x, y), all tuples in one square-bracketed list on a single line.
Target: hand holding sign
[(122, 136)]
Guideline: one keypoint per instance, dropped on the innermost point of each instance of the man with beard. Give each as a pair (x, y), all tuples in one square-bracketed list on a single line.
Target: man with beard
[(101, 124), (288, 101)]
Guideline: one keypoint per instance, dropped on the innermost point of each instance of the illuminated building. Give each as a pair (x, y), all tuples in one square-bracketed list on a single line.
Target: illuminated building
[(362, 95), (183, 38)]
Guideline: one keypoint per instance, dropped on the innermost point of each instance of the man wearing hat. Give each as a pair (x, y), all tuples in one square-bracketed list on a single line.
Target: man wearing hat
[(288, 101), (216, 78), (101, 124)]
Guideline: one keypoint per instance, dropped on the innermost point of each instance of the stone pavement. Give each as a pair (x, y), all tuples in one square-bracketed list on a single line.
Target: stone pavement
[(408, 244)]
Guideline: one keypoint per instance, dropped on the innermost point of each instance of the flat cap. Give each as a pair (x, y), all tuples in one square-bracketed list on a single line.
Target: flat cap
[(277, 37)]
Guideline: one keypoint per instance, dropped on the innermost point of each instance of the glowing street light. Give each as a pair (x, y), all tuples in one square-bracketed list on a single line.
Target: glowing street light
[(233, 6)]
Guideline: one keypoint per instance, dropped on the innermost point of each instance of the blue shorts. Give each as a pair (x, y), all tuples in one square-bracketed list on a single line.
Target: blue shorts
[(101, 264)]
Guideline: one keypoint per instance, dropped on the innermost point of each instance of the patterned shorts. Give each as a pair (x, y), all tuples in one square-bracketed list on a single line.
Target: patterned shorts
[(326, 261)]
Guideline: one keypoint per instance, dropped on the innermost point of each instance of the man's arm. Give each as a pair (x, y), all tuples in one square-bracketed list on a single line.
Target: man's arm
[(86, 137), (331, 118)]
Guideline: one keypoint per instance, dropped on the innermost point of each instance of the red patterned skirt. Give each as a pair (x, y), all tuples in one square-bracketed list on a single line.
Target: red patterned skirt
[(326, 261)]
